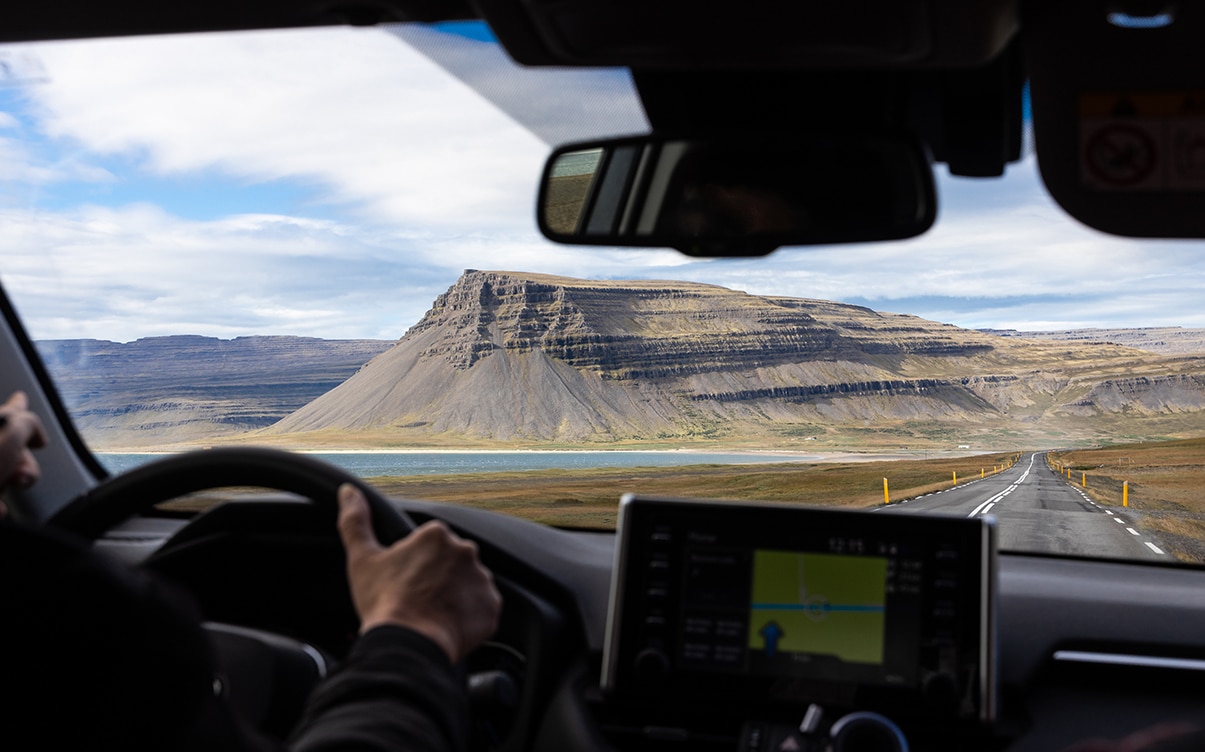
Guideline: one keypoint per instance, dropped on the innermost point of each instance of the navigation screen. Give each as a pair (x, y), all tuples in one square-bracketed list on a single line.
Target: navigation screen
[(786, 604), (819, 604)]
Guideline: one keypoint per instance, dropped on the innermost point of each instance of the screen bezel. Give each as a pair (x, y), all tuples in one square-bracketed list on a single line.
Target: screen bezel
[(975, 535)]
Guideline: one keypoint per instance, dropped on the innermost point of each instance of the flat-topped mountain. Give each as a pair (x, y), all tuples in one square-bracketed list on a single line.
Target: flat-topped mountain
[(517, 357), (1166, 340), (187, 388)]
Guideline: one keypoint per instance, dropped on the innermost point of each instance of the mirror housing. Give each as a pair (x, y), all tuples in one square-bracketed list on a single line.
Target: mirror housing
[(737, 196)]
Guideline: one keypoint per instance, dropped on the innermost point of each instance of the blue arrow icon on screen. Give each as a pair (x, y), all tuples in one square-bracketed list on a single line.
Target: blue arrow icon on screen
[(771, 633)]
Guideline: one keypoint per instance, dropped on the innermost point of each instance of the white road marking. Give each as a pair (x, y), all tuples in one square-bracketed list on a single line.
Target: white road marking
[(987, 505), (1119, 520)]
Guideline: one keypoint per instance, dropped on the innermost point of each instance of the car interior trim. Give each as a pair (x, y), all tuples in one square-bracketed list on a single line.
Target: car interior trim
[(1126, 659)]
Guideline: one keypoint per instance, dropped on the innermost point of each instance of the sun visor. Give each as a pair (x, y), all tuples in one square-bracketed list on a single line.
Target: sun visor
[(1119, 112)]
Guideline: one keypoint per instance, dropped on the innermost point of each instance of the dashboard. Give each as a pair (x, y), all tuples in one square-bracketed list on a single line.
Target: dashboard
[(1081, 648)]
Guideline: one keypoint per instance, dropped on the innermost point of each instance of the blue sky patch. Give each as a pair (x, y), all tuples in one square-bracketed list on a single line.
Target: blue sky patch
[(475, 30), (66, 176)]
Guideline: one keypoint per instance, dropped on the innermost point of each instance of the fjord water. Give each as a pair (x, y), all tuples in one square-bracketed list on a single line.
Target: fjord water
[(398, 463)]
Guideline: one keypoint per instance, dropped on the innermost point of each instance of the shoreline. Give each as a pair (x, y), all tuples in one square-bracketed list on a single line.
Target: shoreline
[(785, 455)]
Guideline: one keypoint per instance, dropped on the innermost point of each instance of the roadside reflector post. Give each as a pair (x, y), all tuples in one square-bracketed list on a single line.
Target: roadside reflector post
[(886, 495), (1084, 481), (981, 474), (956, 477), (1125, 494)]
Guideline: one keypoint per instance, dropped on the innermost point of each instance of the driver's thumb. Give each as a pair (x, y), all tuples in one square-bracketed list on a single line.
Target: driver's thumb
[(355, 522)]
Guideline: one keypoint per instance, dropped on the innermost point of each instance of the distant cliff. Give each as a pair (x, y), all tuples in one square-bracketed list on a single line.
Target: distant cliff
[(1165, 340), (187, 388), (516, 357)]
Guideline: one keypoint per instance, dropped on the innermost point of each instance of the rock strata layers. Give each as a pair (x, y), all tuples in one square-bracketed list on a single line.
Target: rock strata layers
[(187, 388), (518, 357)]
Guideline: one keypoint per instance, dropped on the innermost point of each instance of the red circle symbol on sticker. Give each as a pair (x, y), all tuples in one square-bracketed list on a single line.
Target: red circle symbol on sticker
[(1120, 155)]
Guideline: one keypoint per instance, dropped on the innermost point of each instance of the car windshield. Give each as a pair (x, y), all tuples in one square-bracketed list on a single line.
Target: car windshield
[(325, 240)]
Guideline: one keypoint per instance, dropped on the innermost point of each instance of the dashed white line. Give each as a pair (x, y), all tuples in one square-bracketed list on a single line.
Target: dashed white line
[(1119, 520)]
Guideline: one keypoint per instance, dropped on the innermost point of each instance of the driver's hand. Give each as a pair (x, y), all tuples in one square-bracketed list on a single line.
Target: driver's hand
[(20, 432), (430, 581)]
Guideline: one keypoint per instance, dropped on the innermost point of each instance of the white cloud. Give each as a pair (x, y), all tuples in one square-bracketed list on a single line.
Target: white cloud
[(23, 168), (1019, 262), (381, 127), (136, 271)]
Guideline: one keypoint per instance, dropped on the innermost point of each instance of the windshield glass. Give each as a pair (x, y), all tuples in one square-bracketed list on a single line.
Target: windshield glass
[(325, 240)]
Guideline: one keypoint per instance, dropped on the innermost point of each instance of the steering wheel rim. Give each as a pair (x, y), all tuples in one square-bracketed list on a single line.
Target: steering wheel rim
[(121, 497)]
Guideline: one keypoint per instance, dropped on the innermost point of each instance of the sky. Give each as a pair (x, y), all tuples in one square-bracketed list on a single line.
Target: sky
[(332, 182)]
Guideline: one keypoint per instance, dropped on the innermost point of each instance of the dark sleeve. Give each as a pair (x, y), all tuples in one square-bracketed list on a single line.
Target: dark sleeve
[(96, 656), (397, 691)]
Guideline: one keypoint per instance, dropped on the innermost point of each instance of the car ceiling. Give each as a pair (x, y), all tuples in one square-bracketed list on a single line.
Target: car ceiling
[(951, 71), (669, 33)]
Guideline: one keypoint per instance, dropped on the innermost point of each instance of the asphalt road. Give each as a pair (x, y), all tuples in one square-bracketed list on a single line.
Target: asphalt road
[(1038, 510)]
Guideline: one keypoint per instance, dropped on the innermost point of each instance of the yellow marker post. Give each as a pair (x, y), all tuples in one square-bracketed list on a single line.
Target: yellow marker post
[(981, 474), (956, 477), (1084, 481), (886, 495), (1125, 494)]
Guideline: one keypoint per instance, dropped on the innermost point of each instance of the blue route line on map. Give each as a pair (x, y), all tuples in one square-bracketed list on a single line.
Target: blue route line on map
[(826, 607)]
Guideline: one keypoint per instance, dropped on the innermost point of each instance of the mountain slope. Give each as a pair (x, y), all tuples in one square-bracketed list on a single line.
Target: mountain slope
[(516, 357), (188, 388)]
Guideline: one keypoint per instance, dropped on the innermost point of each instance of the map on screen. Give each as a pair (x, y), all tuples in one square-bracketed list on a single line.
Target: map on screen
[(820, 604)]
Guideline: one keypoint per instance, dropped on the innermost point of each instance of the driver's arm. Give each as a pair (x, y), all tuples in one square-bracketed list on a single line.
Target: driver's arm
[(424, 603)]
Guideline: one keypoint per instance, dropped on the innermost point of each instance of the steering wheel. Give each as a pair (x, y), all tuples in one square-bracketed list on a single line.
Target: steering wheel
[(125, 495), (265, 677)]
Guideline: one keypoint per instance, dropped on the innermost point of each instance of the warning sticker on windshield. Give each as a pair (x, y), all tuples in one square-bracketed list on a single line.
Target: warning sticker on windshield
[(1143, 142)]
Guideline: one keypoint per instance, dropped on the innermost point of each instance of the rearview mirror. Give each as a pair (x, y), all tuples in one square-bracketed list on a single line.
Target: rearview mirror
[(737, 197)]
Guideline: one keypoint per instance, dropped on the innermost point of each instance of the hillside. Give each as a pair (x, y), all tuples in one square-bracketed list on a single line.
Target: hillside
[(528, 358), (186, 388), (1165, 340)]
